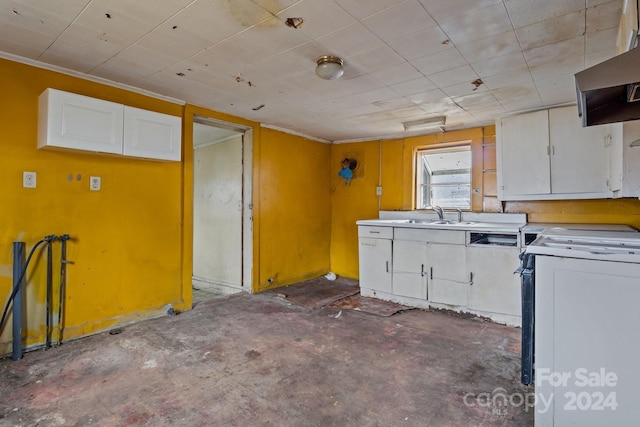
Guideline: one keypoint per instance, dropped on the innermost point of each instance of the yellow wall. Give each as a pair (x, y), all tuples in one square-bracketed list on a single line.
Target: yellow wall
[(126, 237), (294, 204)]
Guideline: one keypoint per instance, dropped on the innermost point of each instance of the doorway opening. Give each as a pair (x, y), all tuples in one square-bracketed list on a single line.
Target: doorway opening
[(222, 218)]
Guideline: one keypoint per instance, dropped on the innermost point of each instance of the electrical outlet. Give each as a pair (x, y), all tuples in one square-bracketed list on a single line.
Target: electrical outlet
[(95, 183), (378, 191), (29, 179)]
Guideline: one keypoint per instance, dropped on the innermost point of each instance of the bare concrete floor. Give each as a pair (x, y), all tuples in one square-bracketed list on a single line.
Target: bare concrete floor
[(258, 360)]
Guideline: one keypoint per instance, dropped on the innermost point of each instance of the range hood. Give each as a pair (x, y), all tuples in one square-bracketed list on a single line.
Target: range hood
[(610, 91)]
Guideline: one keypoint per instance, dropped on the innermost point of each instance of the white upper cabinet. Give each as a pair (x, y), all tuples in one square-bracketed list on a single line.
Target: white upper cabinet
[(67, 120), (546, 154), (70, 121), (151, 135)]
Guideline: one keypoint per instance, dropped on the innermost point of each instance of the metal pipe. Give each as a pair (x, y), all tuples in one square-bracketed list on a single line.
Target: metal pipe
[(47, 342), (18, 289), (63, 279)]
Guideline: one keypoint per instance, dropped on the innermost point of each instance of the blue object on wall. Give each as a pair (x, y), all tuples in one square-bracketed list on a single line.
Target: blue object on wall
[(348, 165)]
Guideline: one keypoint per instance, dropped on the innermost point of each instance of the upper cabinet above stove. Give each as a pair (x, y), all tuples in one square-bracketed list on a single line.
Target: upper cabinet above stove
[(546, 154)]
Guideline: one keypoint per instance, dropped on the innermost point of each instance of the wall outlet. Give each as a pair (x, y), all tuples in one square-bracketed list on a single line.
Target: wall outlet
[(95, 183), (29, 179), (378, 191)]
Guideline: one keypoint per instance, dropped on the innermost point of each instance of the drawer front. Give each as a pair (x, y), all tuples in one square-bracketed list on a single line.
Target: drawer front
[(454, 237), (375, 232)]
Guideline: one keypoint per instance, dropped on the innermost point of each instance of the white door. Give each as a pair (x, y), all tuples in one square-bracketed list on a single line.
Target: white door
[(218, 205)]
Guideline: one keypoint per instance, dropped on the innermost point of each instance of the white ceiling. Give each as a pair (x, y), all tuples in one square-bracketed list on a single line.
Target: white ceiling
[(404, 59)]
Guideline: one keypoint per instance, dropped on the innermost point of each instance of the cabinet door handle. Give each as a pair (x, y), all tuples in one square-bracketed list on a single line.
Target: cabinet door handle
[(422, 270), (431, 273), (387, 266), (470, 278), (374, 232)]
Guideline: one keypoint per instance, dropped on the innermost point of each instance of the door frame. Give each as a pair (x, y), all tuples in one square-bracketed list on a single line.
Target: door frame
[(247, 201)]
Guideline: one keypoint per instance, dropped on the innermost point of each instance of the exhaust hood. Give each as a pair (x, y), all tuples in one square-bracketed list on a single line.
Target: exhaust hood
[(609, 92)]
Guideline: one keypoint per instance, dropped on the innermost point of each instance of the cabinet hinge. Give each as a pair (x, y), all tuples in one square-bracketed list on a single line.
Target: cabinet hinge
[(607, 140)]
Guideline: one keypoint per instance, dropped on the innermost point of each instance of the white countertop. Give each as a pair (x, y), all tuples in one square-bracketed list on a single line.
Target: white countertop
[(479, 226)]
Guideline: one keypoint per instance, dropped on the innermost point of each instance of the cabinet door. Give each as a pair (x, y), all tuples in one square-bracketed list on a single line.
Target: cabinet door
[(495, 288), (375, 264), (67, 120), (579, 156), (151, 135), (523, 162), (448, 278), (409, 268)]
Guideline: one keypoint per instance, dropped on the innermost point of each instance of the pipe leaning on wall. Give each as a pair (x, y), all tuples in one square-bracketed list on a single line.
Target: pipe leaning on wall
[(16, 297)]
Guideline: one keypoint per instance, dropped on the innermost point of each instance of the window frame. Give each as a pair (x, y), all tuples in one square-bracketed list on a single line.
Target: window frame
[(418, 170)]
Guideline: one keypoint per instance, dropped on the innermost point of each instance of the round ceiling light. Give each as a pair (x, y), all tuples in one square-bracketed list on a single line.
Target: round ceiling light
[(329, 67)]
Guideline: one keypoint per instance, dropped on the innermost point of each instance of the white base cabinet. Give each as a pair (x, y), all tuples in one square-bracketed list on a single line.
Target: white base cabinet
[(375, 258), (76, 122), (429, 268), (448, 279), (495, 289), (409, 268)]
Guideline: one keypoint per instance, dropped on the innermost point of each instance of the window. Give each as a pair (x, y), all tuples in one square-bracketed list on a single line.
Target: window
[(443, 177)]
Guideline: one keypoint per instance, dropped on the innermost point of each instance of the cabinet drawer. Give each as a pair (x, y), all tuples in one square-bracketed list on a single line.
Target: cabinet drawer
[(376, 232), (455, 237)]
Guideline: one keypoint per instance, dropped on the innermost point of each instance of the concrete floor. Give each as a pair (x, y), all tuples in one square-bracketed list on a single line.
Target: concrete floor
[(260, 360)]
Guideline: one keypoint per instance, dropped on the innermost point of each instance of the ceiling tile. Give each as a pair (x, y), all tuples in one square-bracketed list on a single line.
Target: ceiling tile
[(515, 77), (552, 30), (440, 61), (499, 64), (422, 43), (132, 64), (399, 73), (567, 65), (70, 50), (557, 90), (412, 87), (320, 17), (525, 13), (464, 89), (453, 76), (427, 97), (548, 54), (490, 47), (350, 40), (361, 9), (602, 42), (375, 59), (400, 20), (476, 25), (604, 16), (444, 10)]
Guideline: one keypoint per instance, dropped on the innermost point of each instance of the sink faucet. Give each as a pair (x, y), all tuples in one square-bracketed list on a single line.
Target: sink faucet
[(439, 211), (459, 214)]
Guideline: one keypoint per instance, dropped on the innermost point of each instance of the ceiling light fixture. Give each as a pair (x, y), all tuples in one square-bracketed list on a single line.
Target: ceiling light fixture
[(428, 123), (329, 67)]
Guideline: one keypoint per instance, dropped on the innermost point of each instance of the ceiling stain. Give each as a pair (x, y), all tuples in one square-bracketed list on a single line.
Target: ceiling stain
[(247, 13)]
